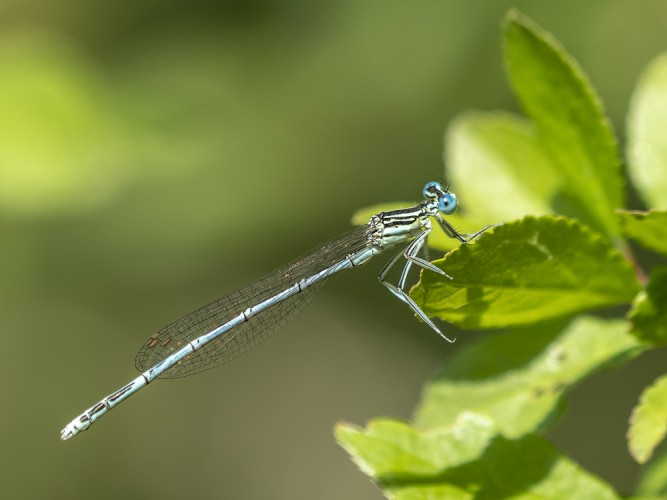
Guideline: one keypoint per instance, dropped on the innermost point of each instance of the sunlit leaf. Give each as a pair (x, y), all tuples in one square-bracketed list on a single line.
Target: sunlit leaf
[(390, 448), (465, 461), (497, 164), (557, 96), (648, 423), (647, 148), (517, 379), (526, 271)]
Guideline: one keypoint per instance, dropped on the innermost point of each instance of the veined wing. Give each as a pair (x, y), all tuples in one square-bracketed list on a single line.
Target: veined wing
[(258, 328)]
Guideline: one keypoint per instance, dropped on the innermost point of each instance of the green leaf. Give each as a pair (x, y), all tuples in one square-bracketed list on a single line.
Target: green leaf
[(648, 423), (647, 121), (557, 95), (517, 379), (526, 271), (653, 480), (437, 239), (390, 449), (648, 228), (498, 166), (468, 460), (649, 310)]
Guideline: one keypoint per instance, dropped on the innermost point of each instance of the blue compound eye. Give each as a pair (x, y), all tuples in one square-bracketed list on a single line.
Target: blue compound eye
[(447, 203), (432, 190)]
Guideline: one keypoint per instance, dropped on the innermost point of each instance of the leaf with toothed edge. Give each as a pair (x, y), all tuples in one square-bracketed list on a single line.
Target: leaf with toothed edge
[(557, 95), (467, 460), (518, 378), (526, 271)]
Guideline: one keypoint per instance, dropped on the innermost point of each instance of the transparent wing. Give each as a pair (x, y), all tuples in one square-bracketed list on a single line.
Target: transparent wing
[(258, 328)]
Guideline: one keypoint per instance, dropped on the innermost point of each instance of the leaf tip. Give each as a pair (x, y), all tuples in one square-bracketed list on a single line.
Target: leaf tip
[(513, 15)]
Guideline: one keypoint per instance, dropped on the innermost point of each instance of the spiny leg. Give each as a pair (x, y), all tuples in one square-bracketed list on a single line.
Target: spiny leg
[(409, 253), (400, 294)]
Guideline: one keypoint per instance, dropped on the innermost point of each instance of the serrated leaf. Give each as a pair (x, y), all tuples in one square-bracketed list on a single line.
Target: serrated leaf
[(468, 460), (556, 94), (647, 228), (649, 310), (518, 378), (648, 423), (647, 121), (437, 239), (496, 163), (526, 271)]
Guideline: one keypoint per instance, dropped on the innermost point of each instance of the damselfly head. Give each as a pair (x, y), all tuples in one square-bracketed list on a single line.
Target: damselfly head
[(446, 201)]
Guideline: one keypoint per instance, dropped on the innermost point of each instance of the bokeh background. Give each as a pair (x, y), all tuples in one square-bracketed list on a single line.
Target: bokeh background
[(155, 155)]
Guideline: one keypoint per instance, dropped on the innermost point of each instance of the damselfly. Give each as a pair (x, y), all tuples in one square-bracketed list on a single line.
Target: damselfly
[(230, 326)]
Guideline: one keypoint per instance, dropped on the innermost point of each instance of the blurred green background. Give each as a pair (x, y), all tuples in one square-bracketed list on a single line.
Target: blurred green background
[(155, 155)]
